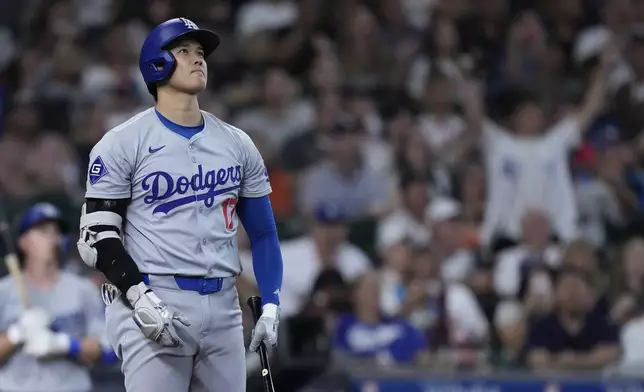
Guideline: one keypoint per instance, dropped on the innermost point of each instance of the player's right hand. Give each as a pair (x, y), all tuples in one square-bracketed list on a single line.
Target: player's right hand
[(154, 317)]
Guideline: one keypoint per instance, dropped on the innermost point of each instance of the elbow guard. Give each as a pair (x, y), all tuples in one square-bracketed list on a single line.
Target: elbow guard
[(95, 227)]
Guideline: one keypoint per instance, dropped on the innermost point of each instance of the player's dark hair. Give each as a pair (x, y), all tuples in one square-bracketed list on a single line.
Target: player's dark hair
[(152, 89)]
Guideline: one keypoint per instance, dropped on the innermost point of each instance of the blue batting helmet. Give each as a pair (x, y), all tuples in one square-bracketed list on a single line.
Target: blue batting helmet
[(156, 62), (39, 213)]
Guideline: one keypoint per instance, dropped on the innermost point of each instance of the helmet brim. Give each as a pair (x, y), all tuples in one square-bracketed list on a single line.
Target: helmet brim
[(209, 40)]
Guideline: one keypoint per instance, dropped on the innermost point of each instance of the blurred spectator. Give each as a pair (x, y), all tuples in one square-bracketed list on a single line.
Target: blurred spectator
[(583, 255), (572, 337), (447, 312), (603, 199), (441, 57), (481, 283), (344, 178), (330, 296), (35, 161), (470, 191), (524, 167), (448, 241), (263, 15), (514, 265), (414, 158), (629, 99), (325, 247), (407, 221), (367, 334), (632, 344), (306, 149), (440, 124), (628, 287), (281, 113), (364, 58), (115, 71), (510, 323), (634, 177)]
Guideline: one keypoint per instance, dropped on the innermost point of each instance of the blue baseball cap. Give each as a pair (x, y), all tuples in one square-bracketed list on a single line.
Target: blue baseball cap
[(40, 213)]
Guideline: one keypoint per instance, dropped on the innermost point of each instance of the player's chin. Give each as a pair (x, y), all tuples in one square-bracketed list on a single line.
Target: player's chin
[(196, 85)]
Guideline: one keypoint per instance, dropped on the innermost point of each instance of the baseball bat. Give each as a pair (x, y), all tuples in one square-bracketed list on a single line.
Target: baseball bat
[(12, 263), (255, 305)]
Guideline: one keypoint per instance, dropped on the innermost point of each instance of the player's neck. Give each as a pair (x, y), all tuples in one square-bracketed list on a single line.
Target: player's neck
[(41, 273), (180, 108)]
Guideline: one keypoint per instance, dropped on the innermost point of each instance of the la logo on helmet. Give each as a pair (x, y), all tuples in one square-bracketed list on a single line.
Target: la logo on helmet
[(189, 24)]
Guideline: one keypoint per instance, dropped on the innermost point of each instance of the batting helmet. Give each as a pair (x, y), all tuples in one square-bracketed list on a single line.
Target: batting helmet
[(156, 62), (39, 213)]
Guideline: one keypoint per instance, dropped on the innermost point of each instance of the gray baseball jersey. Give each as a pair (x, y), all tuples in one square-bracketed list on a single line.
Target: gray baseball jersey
[(181, 219), (77, 309)]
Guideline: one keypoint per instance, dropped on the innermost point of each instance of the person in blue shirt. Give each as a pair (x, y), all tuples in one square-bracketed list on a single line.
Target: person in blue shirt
[(365, 334)]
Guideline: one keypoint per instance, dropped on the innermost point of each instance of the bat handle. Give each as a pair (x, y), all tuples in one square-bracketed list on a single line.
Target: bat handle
[(255, 305)]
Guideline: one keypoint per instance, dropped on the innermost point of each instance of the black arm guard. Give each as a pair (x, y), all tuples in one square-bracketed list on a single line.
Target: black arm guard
[(113, 261)]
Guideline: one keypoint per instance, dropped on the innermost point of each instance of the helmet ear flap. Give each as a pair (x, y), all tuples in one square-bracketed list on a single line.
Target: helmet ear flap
[(160, 69)]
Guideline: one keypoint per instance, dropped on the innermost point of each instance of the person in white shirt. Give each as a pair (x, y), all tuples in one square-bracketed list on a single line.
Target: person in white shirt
[(324, 247), (408, 220), (536, 246), (448, 312), (443, 218), (529, 168)]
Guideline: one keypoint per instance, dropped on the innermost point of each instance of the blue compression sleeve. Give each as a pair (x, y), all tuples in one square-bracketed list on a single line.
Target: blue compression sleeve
[(256, 214)]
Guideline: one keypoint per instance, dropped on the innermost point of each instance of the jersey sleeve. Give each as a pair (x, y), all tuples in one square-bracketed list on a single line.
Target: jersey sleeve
[(255, 182), (110, 170), (565, 134)]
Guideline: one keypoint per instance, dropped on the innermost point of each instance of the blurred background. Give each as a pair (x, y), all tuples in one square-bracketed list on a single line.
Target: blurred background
[(445, 225)]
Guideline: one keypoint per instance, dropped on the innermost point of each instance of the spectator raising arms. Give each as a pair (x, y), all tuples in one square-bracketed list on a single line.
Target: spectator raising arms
[(528, 167)]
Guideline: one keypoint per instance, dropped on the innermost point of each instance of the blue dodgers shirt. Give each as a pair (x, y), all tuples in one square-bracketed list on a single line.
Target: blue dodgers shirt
[(391, 337)]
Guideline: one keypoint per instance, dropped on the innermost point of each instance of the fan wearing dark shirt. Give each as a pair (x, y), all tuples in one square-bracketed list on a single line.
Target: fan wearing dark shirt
[(573, 336)]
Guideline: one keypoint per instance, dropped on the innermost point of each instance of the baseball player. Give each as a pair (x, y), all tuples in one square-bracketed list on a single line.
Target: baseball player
[(165, 192), (48, 346)]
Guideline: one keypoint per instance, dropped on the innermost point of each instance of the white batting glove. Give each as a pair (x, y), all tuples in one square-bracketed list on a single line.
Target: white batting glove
[(45, 343), (155, 319), (16, 334), (266, 328), (30, 320)]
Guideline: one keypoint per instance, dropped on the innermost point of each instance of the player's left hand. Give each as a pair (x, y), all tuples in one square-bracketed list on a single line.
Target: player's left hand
[(43, 343), (154, 317), (266, 328)]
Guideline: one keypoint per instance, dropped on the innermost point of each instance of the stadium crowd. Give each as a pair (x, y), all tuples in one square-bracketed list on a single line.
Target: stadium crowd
[(449, 176)]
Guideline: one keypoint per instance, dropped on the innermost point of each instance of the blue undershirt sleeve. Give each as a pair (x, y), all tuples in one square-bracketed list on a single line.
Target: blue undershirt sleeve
[(256, 215)]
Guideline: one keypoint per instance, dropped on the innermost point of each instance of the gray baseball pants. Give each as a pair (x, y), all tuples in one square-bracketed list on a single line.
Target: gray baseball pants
[(211, 357)]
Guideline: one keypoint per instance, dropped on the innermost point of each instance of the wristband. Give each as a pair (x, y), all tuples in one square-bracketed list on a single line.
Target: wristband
[(108, 357), (75, 346)]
